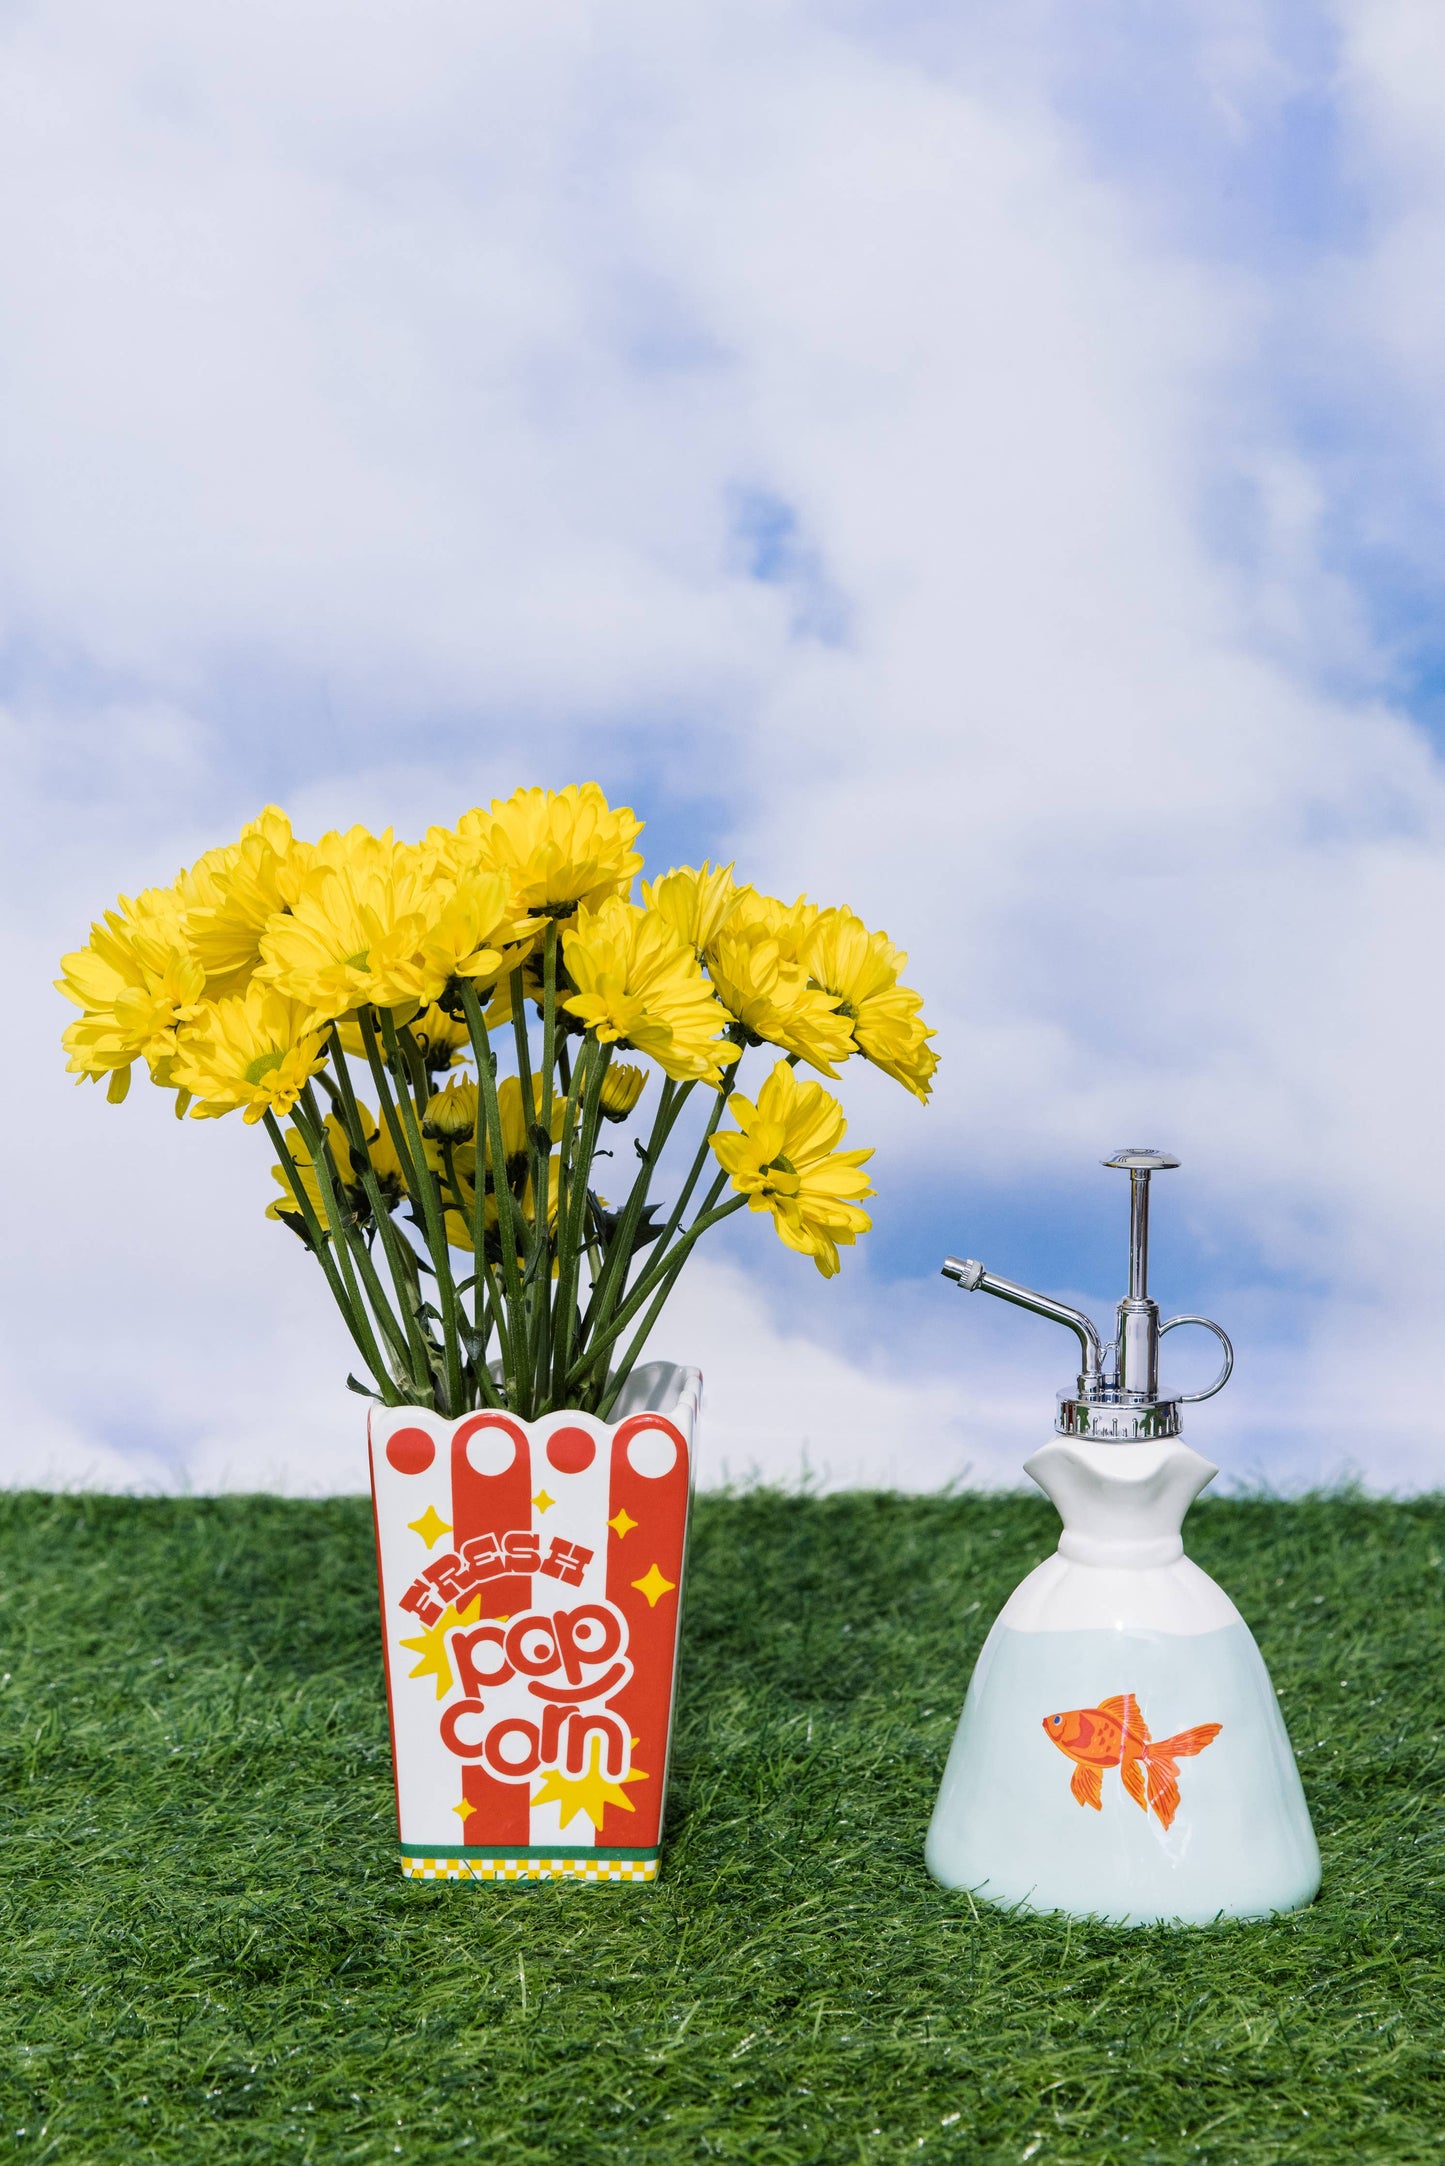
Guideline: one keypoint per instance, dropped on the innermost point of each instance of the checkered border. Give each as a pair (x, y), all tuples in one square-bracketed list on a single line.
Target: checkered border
[(592, 1868)]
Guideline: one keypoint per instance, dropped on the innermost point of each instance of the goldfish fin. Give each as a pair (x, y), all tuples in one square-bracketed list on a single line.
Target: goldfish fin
[(1131, 1772), (1087, 1785), (1189, 1742), (1125, 1710), (1163, 1790)]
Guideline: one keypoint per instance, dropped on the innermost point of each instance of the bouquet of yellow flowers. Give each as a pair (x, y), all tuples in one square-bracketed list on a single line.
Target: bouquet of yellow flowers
[(430, 1033)]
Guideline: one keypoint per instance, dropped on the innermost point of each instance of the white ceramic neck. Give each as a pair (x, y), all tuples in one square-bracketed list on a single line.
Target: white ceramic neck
[(1122, 1504)]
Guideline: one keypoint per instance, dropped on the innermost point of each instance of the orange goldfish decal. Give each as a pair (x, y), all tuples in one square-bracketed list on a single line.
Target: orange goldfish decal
[(1115, 1734)]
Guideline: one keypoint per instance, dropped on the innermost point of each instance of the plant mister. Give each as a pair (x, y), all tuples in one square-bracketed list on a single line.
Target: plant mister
[(1121, 1753)]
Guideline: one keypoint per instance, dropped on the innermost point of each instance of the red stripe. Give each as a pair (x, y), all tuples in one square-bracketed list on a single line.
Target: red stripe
[(385, 1632), (494, 1504), (659, 1507)]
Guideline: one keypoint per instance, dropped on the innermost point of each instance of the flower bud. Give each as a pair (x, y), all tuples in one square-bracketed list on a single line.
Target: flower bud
[(451, 1113), (622, 1086)]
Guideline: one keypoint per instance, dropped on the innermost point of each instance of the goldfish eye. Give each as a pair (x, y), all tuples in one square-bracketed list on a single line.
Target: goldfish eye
[(1056, 1720)]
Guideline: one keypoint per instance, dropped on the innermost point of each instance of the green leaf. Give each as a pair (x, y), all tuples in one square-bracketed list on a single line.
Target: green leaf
[(298, 1226), (606, 1223)]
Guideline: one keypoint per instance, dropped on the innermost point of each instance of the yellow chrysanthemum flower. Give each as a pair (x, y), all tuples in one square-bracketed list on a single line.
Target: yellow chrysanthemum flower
[(622, 1086), (784, 1159), (695, 904), (639, 985), (861, 970), (198, 886), (135, 981), (375, 923), (474, 934), (563, 850), (359, 904), (753, 963), (381, 1156), (258, 882), (255, 1053)]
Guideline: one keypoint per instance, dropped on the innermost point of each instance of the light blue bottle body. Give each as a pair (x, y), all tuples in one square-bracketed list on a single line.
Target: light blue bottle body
[(1125, 1639)]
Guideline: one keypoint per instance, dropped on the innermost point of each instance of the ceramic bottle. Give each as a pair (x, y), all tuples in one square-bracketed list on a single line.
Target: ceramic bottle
[(1121, 1753)]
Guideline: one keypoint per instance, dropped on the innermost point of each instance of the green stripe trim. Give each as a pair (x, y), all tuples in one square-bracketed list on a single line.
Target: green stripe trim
[(565, 1853)]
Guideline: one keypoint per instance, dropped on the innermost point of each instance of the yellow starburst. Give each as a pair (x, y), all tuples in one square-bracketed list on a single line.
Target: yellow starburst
[(431, 1645), (543, 1502), (590, 1793), (465, 1810), (654, 1586), (429, 1526), (621, 1524)]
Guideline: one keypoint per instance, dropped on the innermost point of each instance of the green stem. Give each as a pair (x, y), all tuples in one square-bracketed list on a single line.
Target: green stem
[(540, 1265), (308, 1114), (523, 1044), (341, 1249), (617, 1258), (507, 1216), (699, 1161), (615, 1381), (666, 1268), (476, 1365), (389, 1113), (572, 1198), (618, 1286), (436, 1231), (415, 1067), (365, 1346), (487, 1297), (453, 1179), (502, 1170), (403, 1271)]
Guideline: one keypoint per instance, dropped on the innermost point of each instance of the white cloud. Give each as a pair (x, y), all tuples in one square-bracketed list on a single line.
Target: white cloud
[(394, 389)]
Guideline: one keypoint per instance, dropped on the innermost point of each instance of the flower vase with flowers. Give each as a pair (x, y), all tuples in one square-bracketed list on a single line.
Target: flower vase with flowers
[(433, 1036)]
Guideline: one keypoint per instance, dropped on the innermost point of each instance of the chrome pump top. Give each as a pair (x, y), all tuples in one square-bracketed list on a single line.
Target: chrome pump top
[(1115, 1398)]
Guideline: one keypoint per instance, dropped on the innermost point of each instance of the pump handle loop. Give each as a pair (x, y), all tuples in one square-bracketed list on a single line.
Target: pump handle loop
[(1189, 1397)]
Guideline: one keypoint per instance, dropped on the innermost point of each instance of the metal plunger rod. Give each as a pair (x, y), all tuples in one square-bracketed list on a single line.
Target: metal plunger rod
[(1136, 1357), (1138, 1233)]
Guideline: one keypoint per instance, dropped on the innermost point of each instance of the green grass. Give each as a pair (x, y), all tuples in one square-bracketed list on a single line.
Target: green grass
[(208, 1951)]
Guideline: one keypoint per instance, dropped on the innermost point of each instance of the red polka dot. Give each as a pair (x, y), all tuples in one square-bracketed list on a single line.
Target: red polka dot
[(570, 1451), (411, 1451)]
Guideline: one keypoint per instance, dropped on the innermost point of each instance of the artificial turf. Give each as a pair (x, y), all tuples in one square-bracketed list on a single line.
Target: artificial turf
[(208, 1951)]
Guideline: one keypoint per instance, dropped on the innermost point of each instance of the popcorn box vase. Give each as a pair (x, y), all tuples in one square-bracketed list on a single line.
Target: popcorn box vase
[(1121, 1753), (531, 1578)]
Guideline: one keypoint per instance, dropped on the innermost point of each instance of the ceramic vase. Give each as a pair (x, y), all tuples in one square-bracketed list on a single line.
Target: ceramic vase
[(531, 1576), (1121, 1753)]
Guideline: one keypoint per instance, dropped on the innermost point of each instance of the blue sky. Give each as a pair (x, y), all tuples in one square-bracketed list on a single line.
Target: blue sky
[(982, 465)]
